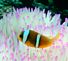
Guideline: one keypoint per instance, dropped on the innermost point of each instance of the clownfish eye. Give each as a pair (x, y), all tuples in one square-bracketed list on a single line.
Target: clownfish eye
[(34, 39)]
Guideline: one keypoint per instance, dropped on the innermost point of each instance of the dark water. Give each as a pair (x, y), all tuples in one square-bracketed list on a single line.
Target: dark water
[(56, 6)]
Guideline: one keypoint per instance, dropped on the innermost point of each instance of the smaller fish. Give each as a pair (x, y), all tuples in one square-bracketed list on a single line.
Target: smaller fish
[(36, 40)]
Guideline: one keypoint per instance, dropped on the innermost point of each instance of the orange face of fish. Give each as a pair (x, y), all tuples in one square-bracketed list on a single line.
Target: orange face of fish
[(31, 40)]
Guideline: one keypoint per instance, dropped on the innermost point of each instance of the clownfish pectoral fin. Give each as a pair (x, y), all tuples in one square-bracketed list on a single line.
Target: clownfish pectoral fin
[(25, 35), (56, 37), (37, 40)]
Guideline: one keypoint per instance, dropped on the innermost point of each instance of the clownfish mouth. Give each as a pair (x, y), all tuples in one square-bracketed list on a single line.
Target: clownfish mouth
[(36, 40)]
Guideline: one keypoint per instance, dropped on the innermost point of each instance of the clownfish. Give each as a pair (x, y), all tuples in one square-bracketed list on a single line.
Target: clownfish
[(34, 39)]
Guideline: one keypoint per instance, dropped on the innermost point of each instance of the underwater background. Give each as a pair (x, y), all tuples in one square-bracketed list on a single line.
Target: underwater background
[(55, 6), (47, 17)]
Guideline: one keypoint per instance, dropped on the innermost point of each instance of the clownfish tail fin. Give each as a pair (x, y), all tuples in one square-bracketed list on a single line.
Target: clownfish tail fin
[(56, 37)]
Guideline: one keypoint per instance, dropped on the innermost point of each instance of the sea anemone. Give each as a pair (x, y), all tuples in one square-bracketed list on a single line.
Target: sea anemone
[(13, 23)]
